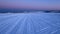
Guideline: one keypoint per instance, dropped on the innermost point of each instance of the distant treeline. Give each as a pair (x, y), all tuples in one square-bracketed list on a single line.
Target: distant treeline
[(27, 11)]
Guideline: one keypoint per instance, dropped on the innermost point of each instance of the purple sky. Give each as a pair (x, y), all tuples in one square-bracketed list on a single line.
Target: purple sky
[(31, 4)]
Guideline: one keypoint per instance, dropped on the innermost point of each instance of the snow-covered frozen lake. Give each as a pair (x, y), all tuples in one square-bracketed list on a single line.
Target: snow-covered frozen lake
[(30, 23)]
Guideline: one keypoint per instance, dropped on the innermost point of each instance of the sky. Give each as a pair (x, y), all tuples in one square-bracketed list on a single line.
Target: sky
[(31, 4)]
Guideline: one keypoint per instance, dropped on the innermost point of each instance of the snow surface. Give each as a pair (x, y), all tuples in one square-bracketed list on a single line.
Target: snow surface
[(30, 23)]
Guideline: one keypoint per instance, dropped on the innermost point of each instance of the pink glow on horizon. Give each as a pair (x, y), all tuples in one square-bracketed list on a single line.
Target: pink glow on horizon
[(29, 6)]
